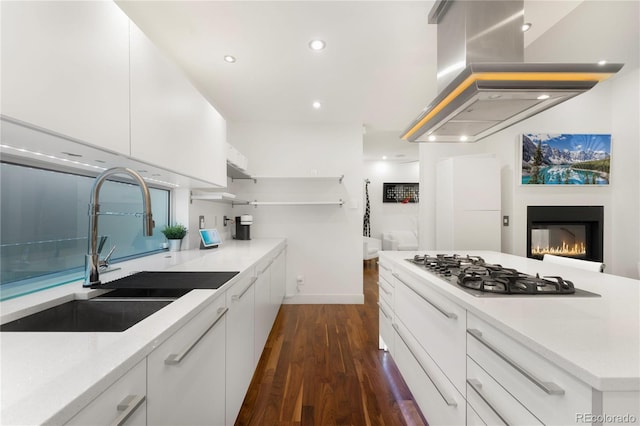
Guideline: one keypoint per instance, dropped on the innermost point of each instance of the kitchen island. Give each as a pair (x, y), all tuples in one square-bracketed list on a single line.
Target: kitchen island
[(50, 377), (538, 359)]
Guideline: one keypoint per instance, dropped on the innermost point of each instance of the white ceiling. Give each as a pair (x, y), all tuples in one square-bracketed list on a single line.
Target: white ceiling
[(378, 68)]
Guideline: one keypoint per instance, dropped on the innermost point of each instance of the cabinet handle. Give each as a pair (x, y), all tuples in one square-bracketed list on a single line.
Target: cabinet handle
[(128, 406), (266, 267), (384, 289), (477, 387), (447, 314), (549, 388), (383, 267), (447, 399), (174, 359), (384, 312), (236, 297)]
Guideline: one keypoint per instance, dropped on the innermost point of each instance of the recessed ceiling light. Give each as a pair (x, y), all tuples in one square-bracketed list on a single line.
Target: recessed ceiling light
[(526, 26), (230, 59), (602, 62), (384, 157), (432, 138), (317, 45), (543, 97), (316, 104), (463, 138)]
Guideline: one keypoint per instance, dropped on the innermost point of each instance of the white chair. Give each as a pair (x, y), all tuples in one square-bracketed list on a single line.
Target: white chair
[(399, 240), (587, 265), (370, 248)]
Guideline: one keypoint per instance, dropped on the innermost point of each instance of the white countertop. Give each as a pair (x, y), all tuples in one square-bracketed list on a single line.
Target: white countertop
[(48, 377), (595, 339)]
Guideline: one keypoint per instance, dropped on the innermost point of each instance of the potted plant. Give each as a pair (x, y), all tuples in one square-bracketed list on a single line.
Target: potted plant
[(175, 234)]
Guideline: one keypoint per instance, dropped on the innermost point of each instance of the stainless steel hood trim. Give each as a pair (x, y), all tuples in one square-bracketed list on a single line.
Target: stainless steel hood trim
[(499, 78)]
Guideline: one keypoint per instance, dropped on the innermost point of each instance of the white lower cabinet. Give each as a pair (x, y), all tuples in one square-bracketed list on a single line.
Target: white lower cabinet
[(439, 401), (186, 374), (548, 392), (493, 404), (240, 343), (123, 403), (263, 318), (437, 323), (278, 281)]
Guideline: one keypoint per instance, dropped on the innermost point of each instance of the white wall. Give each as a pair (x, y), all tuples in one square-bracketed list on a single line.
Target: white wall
[(609, 30), (188, 213), (390, 216), (324, 242)]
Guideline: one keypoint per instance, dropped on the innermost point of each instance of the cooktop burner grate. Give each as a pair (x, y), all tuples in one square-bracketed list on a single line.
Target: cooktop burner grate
[(473, 273)]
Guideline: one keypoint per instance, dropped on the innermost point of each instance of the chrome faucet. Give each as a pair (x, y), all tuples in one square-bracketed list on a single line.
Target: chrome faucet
[(92, 259)]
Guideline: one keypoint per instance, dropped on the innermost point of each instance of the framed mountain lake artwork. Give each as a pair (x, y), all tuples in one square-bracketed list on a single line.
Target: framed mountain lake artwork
[(565, 159)]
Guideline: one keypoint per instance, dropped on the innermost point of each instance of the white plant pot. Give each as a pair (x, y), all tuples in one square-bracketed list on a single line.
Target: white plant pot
[(174, 245)]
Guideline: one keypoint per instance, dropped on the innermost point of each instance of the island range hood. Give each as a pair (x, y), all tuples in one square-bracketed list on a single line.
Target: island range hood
[(484, 85)]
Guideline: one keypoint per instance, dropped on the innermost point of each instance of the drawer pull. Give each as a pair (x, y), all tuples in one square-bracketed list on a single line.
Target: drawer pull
[(477, 387), (384, 289), (549, 388), (447, 399), (128, 406), (447, 314), (266, 267), (384, 312), (174, 359), (236, 297)]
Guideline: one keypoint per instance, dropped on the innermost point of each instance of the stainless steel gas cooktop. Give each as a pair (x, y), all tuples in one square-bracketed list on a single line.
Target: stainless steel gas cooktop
[(481, 279)]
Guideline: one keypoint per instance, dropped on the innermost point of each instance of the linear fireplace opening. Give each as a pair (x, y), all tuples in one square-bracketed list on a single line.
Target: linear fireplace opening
[(570, 231)]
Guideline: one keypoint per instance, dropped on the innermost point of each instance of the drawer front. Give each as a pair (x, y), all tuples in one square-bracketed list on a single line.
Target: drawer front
[(385, 291), (473, 419), (385, 270), (438, 324), (550, 393), (493, 404), (124, 401), (385, 315), (438, 399)]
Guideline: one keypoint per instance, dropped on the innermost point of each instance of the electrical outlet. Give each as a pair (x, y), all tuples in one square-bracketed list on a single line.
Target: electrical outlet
[(201, 222)]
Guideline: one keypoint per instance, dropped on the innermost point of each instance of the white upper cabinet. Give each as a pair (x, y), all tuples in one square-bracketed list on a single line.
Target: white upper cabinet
[(65, 68), (172, 125)]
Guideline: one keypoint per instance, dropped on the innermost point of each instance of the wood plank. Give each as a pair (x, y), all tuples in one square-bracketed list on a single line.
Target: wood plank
[(321, 366)]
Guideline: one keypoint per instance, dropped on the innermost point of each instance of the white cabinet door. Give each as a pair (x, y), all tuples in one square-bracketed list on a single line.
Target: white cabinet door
[(240, 352), (65, 68), (437, 398), (172, 124), (278, 281), (186, 374), (263, 307), (123, 403)]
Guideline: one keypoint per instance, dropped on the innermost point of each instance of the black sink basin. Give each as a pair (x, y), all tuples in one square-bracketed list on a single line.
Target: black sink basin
[(88, 315), (170, 280)]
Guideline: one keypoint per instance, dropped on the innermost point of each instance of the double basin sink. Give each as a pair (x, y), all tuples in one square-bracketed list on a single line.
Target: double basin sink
[(131, 299)]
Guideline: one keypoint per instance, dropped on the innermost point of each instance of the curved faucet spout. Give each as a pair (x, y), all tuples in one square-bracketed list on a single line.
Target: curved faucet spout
[(92, 261)]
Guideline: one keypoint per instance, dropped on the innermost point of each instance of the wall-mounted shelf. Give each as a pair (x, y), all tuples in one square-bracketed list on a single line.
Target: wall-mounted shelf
[(296, 203), (338, 178), (219, 197), (235, 173)]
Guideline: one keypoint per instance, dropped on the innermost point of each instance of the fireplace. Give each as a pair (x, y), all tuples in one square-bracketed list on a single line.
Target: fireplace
[(570, 231)]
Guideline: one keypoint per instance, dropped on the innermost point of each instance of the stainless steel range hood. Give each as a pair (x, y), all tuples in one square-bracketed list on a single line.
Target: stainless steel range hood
[(495, 88)]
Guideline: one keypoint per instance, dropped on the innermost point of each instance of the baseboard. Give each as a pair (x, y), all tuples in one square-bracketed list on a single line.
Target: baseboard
[(324, 299)]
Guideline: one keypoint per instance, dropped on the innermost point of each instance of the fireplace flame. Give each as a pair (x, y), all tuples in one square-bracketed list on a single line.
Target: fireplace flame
[(577, 249)]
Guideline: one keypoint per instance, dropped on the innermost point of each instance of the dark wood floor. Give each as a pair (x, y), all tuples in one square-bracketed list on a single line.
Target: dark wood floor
[(321, 366)]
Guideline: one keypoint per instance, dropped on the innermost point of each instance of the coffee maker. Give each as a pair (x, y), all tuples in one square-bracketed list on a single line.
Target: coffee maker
[(243, 227)]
